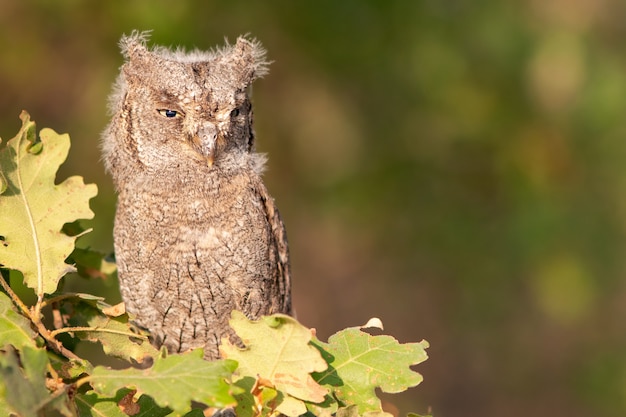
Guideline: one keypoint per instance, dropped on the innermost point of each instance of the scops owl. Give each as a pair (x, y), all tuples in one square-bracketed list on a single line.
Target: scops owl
[(196, 233)]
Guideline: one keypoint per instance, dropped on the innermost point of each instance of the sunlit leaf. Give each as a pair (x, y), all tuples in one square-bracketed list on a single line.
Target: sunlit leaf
[(359, 363), (277, 349), (34, 209)]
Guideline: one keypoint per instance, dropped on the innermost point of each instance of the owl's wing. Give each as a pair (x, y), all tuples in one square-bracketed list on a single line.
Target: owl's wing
[(280, 237)]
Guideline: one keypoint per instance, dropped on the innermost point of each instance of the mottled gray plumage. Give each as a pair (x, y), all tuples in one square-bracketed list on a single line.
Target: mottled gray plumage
[(196, 232)]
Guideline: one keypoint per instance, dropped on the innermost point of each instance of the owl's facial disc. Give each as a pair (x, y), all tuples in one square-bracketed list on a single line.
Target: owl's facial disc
[(206, 141)]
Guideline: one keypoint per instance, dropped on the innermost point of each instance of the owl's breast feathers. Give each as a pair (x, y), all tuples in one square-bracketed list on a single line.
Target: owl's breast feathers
[(216, 247)]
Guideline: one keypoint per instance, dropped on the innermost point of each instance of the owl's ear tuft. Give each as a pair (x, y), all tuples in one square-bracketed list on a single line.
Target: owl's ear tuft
[(249, 59), (136, 54), (134, 44)]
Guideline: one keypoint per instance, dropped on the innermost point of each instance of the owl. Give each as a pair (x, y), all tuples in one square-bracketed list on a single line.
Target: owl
[(196, 233)]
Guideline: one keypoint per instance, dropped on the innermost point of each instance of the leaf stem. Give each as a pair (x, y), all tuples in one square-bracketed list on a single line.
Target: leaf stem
[(82, 381), (84, 232), (53, 343), (95, 329), (58, 298), (53, 372)]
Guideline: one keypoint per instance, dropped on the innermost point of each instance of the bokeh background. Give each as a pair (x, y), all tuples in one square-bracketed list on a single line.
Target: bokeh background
[(456, 168)]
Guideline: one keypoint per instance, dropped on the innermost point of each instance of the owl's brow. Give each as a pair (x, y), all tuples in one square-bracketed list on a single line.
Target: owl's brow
[(167, 97)]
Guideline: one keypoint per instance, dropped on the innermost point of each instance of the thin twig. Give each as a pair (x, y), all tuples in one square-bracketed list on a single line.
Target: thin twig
[(35, 319), (15, 298)]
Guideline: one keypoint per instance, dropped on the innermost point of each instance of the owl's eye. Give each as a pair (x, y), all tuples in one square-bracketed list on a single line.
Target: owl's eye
[(234, 113), (169, 113)]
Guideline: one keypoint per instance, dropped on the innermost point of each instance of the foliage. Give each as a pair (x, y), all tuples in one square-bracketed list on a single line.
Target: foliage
[(358, 363), (38, 208), (281, 368)]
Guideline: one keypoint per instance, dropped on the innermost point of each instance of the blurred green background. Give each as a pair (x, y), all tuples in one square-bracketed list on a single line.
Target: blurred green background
[(456, 168)]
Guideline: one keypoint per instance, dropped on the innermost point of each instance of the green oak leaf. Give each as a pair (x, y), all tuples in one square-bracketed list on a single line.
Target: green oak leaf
[(14, 328), (91, 405), (113, 333), (277, 349), (173, 381), (359, 363), (23, 381), (34, 209)]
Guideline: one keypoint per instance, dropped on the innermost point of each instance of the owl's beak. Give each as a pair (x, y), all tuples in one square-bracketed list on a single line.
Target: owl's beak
[(210, 158), (206, 141)]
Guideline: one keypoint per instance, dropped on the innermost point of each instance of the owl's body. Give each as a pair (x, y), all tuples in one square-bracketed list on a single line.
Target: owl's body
[(196, 233)]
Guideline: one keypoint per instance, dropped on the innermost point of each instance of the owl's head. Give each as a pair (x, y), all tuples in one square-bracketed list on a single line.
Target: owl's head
[(172, 107)]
